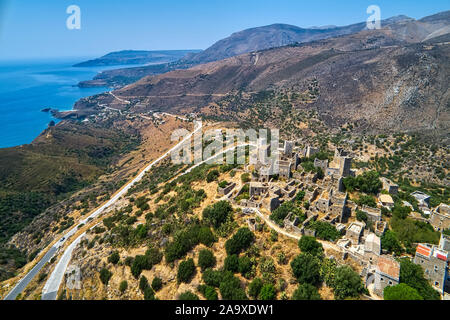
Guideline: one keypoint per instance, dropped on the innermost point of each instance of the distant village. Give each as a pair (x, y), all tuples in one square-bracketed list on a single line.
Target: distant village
[(329, 203)]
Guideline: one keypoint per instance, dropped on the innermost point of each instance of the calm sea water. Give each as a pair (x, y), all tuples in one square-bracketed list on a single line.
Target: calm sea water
[(28, 87)]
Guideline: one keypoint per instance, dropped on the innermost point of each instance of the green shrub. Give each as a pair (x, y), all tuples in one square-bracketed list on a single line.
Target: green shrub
[(245, 266), (105, 276), (143, 283), (212, 175), (208, 292), (140, 263), (361, 216), (267, 292), (279, 214), (230, 288), (186, 271), (254, 288), (240, 241), (347, 283), (310, 245), (245, 177), (232, 263), (306, 268), (114, 258), (157, 284), (306, 291), (206, 259), (123, 286), (188, 296), (401, 292), (149, 294), (217, 213)]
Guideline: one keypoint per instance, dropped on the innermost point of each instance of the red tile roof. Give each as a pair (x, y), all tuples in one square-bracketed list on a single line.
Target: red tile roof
[(389, 267), (423, 250)]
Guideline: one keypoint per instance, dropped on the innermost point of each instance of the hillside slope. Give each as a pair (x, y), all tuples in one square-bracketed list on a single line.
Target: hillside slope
[(370, 77), (276, 35)]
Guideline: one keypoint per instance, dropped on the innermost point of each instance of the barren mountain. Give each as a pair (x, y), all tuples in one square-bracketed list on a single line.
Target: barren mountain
[(276, 35), (371, 78)]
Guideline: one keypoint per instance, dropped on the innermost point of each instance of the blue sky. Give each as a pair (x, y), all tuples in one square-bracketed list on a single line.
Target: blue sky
[(32, 29)]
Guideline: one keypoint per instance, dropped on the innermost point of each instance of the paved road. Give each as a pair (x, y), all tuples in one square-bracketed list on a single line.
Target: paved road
[(54, 281), (50, 290), (30, 275)]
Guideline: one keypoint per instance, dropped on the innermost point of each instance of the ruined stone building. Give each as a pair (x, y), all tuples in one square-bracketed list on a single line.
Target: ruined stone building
[(387, 273), (355, 231), (389, 186), (434, 262), (440, 217), (373, 214), (341, 164)]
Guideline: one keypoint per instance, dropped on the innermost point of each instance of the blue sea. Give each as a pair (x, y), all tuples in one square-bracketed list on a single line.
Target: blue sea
[(27, 87)]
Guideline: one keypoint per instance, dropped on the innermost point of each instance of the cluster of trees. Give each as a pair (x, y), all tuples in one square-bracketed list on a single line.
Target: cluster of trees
[(217, 214), (366, 200), (279, 214), (186, 240), (310, 268), (235, 263), (308, 166), (368, 182), (186, 271), (412, 275), (212, 175), (146, 289), (240, 241), (185, 201), (390, 242), (325, 231), (145, 262), (409, 231), (401, 292), (209, 292), (228, 284)]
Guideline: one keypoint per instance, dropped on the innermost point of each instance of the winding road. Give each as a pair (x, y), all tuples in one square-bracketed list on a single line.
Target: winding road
[(54, 281)]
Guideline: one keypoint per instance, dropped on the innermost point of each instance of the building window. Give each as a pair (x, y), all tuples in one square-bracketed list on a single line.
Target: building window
[(390, 282), (436, 268), (381, 278), (436, 284)]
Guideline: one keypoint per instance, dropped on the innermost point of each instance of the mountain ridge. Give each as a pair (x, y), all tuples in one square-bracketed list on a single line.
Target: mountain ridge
[(274, 35)]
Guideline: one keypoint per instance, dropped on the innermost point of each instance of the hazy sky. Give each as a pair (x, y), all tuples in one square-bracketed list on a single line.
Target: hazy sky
[(31, 28)]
